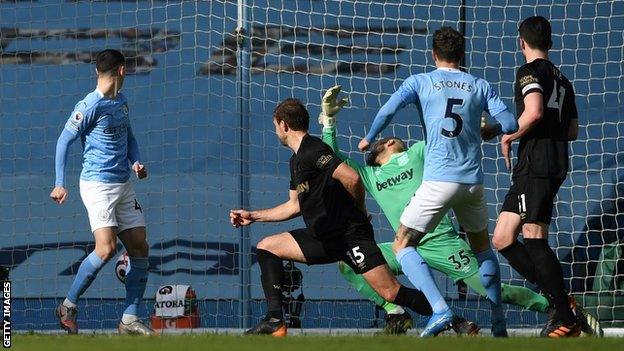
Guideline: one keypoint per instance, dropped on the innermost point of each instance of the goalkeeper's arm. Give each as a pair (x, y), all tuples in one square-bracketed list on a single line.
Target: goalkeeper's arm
[(328, 117)]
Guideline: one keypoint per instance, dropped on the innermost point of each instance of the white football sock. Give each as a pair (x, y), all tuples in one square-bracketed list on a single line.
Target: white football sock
[(69, 304), (128, 318)]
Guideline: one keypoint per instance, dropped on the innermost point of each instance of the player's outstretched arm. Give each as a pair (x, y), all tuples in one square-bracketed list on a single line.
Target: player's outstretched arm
[(59, 193), (383, 118), (330, 107), (287, 210)]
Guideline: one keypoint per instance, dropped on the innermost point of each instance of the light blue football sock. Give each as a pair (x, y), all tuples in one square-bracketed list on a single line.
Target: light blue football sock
[(489, 271), (136, 279), (87, 272), (418, 272)]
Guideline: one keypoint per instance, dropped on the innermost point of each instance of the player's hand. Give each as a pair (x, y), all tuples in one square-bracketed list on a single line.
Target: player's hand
[(400, 242), (58, 194), (506, 150), (363, 145), (330, 106), (139, 170), (488, 132), (240, 218)]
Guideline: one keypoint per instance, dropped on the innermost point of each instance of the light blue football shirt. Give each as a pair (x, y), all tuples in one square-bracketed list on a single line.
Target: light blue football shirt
[(450, 103), (104, 128)]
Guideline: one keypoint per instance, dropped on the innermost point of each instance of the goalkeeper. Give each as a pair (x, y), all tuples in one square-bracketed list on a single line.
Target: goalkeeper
[(392, 176)]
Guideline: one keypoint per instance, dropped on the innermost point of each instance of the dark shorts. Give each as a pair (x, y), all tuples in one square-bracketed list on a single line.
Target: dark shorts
[(532, 198), (355, 246)]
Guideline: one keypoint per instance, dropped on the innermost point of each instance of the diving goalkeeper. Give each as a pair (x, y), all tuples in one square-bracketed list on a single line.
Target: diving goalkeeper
[(391, 177)]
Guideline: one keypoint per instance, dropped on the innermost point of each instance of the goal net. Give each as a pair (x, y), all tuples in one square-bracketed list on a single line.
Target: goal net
[(185, 97)]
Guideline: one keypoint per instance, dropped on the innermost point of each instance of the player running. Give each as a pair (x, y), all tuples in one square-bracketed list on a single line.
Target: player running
[(393, 174), (450, 103), (101, 122), (548, 121), (330, 197)]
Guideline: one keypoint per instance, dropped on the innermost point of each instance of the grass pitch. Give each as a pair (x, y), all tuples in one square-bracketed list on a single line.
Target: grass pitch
[(211, 342)]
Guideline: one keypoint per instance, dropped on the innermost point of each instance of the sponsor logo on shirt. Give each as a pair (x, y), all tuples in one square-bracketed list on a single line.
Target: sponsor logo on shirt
[(303, 188), (528, 79), (115, 130), (392, 181)]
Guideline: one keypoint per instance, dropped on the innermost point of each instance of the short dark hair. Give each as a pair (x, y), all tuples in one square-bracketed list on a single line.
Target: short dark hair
[(536, 32), (107, 61), (293, 113), (448, 44), (377, 148)]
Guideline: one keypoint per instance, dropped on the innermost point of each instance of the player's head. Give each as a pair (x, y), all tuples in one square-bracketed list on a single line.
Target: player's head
[(110, 63), (381, 150), (535, 33), (290, 116), (448, 45)]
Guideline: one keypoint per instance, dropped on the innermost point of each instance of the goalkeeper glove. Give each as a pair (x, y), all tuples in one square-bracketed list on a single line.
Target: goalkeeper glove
[(330, 107)]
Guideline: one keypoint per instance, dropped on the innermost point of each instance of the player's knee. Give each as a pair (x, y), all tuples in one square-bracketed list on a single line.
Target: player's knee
[(534, 231), (500, 242), (267, 244), (140, 249), (106, 251), (389, 293)]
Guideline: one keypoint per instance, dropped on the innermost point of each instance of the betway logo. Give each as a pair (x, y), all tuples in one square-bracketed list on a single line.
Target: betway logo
[(392, 181)]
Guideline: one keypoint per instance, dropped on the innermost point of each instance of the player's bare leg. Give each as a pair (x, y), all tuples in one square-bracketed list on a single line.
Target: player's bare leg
[(135, 242), (505, 241), (271, 251), (105, 248), (383, 282)]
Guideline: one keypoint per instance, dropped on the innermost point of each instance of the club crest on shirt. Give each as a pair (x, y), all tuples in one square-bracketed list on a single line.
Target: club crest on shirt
[(125, 109), (103, 215), (323, 160), (403, 159)]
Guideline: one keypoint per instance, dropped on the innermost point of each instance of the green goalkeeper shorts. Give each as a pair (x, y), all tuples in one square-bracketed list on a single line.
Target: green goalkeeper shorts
[(446, 253)]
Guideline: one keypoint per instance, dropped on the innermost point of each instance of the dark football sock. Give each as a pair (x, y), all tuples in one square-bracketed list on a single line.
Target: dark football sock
[(272, 277), (414, 300), (518, 257), (550, 277)]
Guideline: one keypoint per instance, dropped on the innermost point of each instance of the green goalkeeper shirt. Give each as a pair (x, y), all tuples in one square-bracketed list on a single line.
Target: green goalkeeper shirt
[(393, 184)]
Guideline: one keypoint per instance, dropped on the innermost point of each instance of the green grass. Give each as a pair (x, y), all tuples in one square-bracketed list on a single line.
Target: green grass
[(210, 342)]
